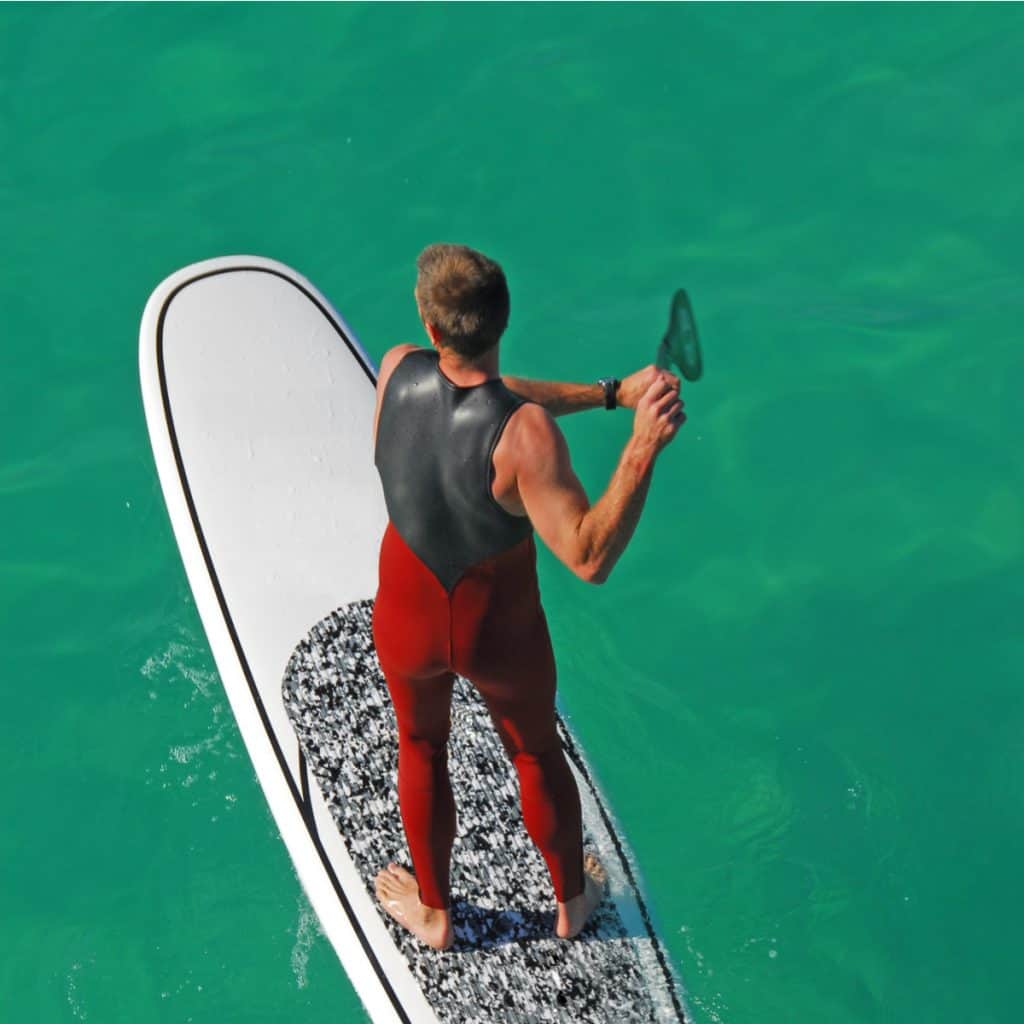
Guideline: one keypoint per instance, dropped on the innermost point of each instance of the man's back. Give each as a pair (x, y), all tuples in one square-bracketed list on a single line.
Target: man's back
[(434, 445)]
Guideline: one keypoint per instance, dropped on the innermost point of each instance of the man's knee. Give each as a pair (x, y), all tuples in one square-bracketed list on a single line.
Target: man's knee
[(543, 755), (522, 735), (425, 748)]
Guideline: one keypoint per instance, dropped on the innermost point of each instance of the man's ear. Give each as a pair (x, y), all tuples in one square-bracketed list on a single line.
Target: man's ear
[(434, 334)]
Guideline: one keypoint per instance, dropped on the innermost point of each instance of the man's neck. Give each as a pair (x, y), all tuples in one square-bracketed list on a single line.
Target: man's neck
[(466, 372)]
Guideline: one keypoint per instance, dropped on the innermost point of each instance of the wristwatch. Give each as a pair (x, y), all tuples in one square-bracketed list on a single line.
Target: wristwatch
[(610, 385)]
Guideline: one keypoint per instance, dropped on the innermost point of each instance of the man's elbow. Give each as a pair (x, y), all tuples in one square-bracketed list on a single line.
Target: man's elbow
[(586, 560), (593, 572)]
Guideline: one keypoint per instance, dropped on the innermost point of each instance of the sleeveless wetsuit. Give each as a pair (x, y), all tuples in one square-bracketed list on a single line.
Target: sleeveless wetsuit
[(458, 594)]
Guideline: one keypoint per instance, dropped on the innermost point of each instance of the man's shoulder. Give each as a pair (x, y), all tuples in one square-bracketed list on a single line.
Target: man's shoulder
[(390, 361), (534, 430), (533, 413), (396, 354)]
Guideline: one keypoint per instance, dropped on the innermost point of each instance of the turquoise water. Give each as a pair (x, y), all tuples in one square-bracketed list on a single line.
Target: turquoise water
[(801, 687)]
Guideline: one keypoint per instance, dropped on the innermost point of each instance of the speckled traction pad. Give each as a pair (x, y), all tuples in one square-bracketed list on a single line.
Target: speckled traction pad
[(504, 965)]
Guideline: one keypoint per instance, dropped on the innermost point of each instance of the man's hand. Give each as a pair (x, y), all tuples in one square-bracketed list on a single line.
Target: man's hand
[(658, 416), (633, 387)]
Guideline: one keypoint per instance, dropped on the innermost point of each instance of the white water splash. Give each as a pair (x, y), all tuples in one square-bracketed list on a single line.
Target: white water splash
[(714, 1006), (185, 753), (72, 993), (179, 656), (769, 941), (307, 930), (184, 660)]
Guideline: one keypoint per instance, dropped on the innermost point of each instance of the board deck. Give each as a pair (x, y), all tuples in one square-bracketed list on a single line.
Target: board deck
[(259, 402)]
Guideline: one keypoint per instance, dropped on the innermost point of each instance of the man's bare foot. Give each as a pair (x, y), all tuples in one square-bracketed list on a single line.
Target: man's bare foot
[(574, 914), (399, 895)]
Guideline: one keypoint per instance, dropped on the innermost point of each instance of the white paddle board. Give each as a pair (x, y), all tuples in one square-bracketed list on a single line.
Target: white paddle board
[(259, 402)]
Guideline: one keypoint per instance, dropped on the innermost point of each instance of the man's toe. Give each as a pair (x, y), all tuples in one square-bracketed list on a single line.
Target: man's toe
[(400, 873)]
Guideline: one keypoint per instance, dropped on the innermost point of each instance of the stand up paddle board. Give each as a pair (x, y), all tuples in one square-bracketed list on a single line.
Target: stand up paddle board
[(259, 402)]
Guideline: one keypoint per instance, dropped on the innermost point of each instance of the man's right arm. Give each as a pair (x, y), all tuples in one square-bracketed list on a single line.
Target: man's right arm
[(589, 539)]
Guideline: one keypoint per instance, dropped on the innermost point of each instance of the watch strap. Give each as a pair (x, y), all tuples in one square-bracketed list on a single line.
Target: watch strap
[(610, 385)]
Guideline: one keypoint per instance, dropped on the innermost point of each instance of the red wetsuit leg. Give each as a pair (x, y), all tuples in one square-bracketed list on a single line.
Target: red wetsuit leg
[(410, 632), (425, 797), (492, 630), (501, 644)]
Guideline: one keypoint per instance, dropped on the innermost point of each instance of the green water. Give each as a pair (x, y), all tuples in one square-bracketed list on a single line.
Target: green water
[(801, 687)]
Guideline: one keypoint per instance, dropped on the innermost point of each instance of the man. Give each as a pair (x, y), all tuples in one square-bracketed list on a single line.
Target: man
[(471, 464)]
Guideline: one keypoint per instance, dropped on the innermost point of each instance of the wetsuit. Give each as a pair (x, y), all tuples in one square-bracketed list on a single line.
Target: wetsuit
[(458, 594)]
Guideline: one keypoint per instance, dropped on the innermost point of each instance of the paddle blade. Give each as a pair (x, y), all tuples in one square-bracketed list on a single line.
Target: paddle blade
[(663, 360), (681, 344)]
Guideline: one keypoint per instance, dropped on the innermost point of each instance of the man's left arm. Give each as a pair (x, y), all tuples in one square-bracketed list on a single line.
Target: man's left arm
[(560, 398)]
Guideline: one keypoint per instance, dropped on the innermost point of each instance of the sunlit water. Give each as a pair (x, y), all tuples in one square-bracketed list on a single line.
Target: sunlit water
[(801, 688)]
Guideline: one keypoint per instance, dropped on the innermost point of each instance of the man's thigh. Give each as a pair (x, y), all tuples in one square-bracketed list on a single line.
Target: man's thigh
[(422, 706)]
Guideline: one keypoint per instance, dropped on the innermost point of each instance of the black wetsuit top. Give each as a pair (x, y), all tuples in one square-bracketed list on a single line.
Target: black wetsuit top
[(435, 443)]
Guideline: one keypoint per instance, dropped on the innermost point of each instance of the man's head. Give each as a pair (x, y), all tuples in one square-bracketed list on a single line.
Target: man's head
[(464, 296)]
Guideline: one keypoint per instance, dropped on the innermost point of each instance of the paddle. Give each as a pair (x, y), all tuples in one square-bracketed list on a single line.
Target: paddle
[(681, 344)]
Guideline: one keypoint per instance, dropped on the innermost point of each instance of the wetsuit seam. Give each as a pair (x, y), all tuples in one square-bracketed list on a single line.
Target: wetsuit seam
[(451, 630)]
